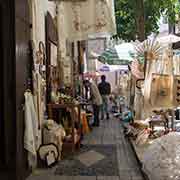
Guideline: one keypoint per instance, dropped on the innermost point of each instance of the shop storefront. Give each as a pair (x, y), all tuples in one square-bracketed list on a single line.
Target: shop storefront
[(37, 59)]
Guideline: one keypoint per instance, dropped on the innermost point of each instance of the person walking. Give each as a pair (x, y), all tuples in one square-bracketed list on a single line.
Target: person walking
[(105, 90), (96, 100)]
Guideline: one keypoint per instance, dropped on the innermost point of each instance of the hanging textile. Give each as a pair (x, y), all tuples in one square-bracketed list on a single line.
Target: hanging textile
[(38, 38), (31, 134), (136, 70), (88, 17), (138, 104), (162, 83), (38, 22), (176, 64), (159, 83)]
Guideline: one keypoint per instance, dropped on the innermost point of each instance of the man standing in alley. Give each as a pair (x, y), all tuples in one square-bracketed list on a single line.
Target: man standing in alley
[(96, 99), (105, 90)]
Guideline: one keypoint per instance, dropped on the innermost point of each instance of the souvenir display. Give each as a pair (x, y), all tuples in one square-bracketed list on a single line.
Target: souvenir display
[(54, 133), (159, 83)]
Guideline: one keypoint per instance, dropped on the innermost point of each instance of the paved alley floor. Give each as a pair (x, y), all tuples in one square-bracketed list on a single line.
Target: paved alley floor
[(106, 155)]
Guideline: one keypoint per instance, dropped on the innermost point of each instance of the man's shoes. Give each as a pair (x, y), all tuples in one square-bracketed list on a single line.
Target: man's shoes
[(95, 125), (81, 145)]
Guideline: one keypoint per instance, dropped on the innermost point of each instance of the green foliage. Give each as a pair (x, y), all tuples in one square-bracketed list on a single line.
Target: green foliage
[(126, 25), (126, 11)]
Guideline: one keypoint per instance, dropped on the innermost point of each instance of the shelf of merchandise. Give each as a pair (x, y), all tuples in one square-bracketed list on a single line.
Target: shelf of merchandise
[(69, 144)]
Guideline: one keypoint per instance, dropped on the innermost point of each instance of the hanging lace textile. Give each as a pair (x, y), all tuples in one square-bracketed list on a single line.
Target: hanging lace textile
[(38, 37), (138, 104), (176, 64), (88, 17), (138, 99), (31, 134), (38, 22)]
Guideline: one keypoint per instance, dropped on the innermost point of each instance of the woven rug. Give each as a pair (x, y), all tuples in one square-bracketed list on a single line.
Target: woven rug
[(92, 160)]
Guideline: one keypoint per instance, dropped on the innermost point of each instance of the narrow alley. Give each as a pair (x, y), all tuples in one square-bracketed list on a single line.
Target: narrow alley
[(90, 90), (105, 155)]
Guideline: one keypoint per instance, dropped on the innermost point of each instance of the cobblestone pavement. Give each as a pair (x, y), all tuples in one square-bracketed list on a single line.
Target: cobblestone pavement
[(110, 133)]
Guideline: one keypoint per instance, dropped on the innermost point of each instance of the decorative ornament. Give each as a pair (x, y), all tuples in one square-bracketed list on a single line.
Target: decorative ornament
[(151, 47)]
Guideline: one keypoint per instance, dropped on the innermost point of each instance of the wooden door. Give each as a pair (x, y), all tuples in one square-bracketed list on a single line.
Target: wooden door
[(7, 92), (2, 150), (23, 78), (14, 74)]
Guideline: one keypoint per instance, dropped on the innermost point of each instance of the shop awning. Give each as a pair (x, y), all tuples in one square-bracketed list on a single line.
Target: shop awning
[(168, 39), (104, 68), (111, 68), (110, 56), (124, 51), (84, 18)]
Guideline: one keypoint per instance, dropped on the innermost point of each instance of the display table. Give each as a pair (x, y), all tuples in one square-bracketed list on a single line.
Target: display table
[(154, 123), (74, 140), (84, 105)]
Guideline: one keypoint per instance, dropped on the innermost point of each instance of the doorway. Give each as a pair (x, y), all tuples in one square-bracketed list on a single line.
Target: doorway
[(2, 159)]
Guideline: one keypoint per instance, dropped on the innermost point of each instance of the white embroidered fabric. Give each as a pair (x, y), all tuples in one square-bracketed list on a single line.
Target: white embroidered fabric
[(161, 160), (31, 134), (87, 17)]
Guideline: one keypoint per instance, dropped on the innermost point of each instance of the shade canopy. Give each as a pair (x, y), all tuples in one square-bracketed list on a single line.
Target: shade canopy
[(168, 39), (104, 68), (125, 50), (110, 56), (91, 74), (110, 68)]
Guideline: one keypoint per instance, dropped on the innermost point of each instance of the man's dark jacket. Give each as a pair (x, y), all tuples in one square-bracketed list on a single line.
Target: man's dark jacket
[(104, 88)]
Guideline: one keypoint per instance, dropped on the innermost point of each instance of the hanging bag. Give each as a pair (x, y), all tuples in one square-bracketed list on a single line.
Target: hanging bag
[(161, 90), (161, 82)]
